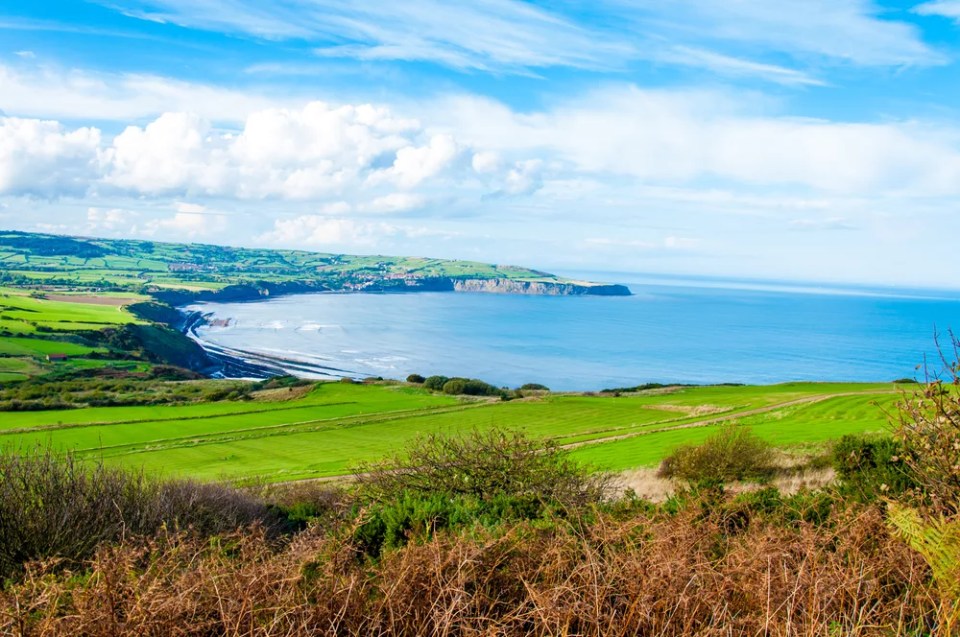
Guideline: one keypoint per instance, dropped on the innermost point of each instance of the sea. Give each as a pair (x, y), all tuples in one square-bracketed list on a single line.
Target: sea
[(671, 330)]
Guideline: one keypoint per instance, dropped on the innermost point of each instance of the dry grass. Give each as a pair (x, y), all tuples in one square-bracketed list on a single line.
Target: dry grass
[(651, 574), (646, 484), (282, 393), (691, 410)]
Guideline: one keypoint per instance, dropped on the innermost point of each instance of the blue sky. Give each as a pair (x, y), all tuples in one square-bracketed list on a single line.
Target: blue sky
[(811, 140)]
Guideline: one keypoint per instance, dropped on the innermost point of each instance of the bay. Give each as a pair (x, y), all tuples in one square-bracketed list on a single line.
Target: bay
[(669, 331)]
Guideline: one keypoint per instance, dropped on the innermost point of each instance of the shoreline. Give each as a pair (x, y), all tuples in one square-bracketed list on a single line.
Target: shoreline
[(243, 364)]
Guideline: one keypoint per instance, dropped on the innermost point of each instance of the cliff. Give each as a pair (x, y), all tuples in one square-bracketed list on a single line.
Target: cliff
[(263, 289), (547, 288)]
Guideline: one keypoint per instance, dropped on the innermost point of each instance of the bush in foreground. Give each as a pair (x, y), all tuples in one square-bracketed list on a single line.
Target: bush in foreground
[(53, 505), (485, 464), (733, 453)]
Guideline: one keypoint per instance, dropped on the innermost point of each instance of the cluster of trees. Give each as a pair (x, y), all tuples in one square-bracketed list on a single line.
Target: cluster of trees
[(458, 386)]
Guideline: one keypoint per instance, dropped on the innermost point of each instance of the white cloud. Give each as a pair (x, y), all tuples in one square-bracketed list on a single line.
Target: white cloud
[(524, 178), (736, 67), (364, 160), (513, 36), (109, 220), (187, 225), (668, 243), (485, 162), (42, 158), (164, 156), (44, 91), (415, 164), (944, 8), (305, 154), (395, 202), (827, 223), (190, 208), (318, 230), (497, 34), (677, 137), (841, 30), (322, 231)]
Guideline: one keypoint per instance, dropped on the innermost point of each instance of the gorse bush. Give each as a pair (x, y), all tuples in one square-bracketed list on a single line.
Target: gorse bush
[(734, 453), (871, 467), (416, 516)]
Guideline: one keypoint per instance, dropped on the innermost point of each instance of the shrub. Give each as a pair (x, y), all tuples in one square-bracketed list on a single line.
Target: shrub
[(734, 453), (414, 516), (870, 467), (53, 505), (928, 429), (416, 379), (484, 465), (454, 386), (470, 387), (435, 383), (534, 387)]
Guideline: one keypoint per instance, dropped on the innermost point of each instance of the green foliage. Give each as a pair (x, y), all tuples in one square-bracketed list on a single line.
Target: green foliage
[(484, 465), (435, 383), (937, 539), (636, 388), (470, 387), (416, 516), (928, 429), (871, 467), (484, 478), (416, 379), (534, 387), (769, 504), (733, 453), (280, 382), (112, 387)]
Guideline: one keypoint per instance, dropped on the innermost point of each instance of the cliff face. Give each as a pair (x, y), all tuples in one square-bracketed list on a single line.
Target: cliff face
[(545, 288), (251, 292)]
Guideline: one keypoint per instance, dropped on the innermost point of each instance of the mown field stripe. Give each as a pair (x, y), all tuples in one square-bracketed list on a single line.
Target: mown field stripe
[(274, 429), (727, 417)]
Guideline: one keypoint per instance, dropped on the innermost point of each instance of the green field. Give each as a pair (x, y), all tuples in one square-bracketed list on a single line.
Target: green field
[(36, 324), (336, 426), (29, 259), (24, 313)]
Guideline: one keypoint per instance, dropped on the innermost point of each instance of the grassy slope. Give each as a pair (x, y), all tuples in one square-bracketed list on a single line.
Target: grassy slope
[(31, 328), (336, 426)]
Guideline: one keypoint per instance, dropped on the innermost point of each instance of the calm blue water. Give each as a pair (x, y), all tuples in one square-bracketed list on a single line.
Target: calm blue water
[(691, 332)]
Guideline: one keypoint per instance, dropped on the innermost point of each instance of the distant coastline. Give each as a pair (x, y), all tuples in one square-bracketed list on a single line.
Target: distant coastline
[(263, 290), (236, 363)]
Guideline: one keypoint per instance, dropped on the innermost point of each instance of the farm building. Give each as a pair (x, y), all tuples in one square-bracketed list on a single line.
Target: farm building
[(56, 357)]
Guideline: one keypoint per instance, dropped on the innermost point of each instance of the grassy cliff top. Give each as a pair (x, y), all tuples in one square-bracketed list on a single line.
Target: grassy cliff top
[(133, 264)]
